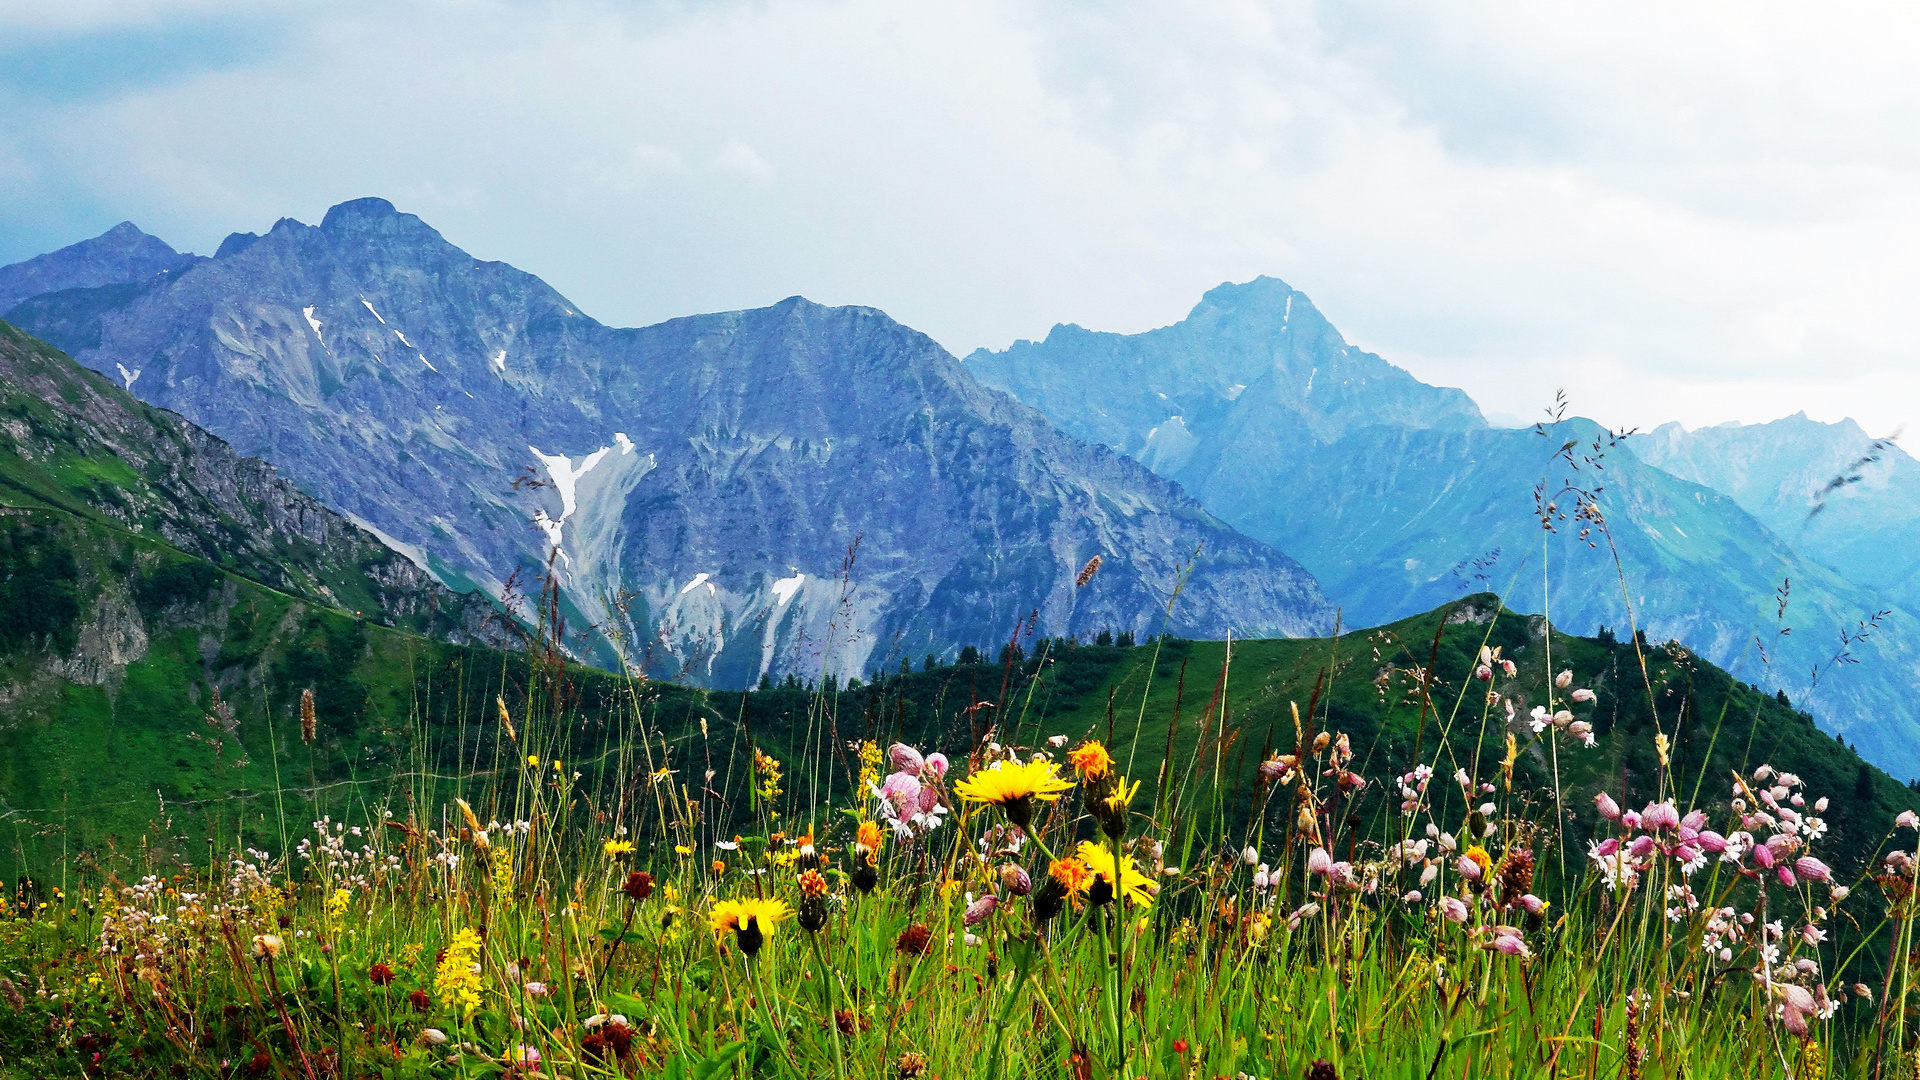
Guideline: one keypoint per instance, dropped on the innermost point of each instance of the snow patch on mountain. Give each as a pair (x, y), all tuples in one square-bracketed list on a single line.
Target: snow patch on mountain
[(313, 322), (128, 376), (376, 314)]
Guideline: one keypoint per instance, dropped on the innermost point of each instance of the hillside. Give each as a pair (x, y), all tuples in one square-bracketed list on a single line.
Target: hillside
[(701, 484)]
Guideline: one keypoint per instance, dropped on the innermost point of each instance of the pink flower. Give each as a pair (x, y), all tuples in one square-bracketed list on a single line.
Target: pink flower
[(902, 791), (1510, 945), (1319, 862), (1711, 841), (1454, 908), (1506, 667), (1609, 809), (1606, 847), (1785, 873), (1468, 868), (929, 798), (978, 911), (1661, 815), (527, 1057), (1483, 672), (1812, 869), (1643, 846), (1533, 904), (1631, 819), (1907, 820), (1563, 680), (937, 765), (1412, 897), (1583, 694), (906, 759), (1695, 820)]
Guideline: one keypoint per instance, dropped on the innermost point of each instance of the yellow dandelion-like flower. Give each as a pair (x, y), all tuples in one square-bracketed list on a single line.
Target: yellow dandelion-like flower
[(1479, 855), (1072, 874), (616, 848), (1131, 882), (751, 920), (1013, 788), (869, 835)]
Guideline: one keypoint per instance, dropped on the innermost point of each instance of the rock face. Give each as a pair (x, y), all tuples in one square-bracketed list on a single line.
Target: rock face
[(793, 489), (71, 441), (1398, 497), (121, 255)]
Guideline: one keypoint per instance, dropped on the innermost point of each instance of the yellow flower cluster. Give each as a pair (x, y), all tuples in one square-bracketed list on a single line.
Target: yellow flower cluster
[(457, 980), (870, 758), (768, 769), (502, 865), (336, 909)]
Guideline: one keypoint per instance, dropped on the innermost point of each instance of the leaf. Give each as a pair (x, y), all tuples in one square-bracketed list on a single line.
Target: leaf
[(721, 1058)]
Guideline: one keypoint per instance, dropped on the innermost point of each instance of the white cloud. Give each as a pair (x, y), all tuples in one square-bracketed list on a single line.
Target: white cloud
[(1701, 213)]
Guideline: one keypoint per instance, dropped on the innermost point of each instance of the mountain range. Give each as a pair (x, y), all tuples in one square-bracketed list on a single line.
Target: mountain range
[(803, 490), (725, 498), (1398, 495)]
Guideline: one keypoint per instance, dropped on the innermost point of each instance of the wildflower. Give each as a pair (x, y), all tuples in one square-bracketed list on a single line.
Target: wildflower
[(1251, 856), (433, 1036), (937, 765), (1091, 761), (1474, 863), (533, 761), (911, 1064), (1013, 788), (1660, 815), (419, 1000), (1129, 881), (813, 904), (380, 974), (1563, 680), (913, 941), (536, 989), (1907, 820), (267, 946), (616, 848), (1454, 908), (1510, 944), (1014, 879), (526, 1057), (1112, 810), (1179, 1046), (752, 920), (638, 886), (905, 758), (1812, 869), (457, 979), (1319, 863), (978, 911)]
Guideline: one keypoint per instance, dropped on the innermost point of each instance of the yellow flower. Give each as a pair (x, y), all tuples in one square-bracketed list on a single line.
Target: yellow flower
[(1013, 788), (1072, 874), (682, 849), (1479, 855), (1133, 883), (533, 761), (615, 848), (456, 981), (751, 920), (1091, 760), (869, 835)]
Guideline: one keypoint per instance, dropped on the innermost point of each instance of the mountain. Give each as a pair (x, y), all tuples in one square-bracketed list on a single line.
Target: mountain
[(1785, 474), (1396, 496), (724, 498), (1251, 364), (122, 255), (75, 447)]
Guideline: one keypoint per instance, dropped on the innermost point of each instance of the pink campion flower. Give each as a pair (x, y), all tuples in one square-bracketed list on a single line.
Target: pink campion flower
[(1533, 904), (1319, 862), (1431, 871), (1812, 869), (1605, 847), (937, 765), (1711, 841), (1467, 868), (1609, 809), (1631, 819), (1563, 680), (1899, 860), (1642, 846), (929, 798), (1695, 820), (1583, 731), (1863, 992), (902, 791), (1820, 805), (1785, 873), (1762, 773), (1453, 908), (1763, 856), (978, 911), (1660, 815), (1812, 934), (1507, 668), (1413, 896), (1484, 672), (1907, 820), (537, 989), (905, 758), (1582, 695), (1509, 945)]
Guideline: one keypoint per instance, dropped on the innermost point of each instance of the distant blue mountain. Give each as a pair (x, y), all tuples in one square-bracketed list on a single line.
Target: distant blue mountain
[(1397, 496), (697, 485), (121, 255)]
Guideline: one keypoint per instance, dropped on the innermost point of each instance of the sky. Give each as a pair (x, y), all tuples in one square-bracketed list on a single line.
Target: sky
[(1697, 212)]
